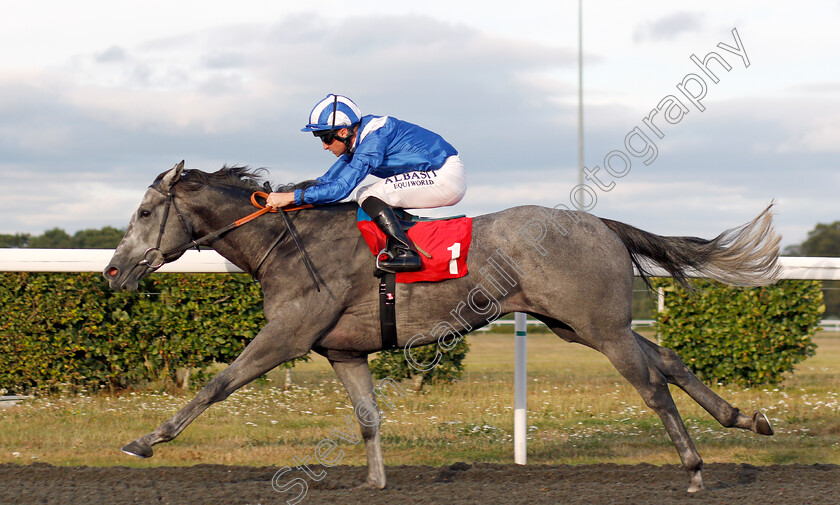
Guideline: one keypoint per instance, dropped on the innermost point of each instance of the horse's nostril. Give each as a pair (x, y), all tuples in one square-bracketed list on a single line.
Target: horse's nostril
[(113, 272)]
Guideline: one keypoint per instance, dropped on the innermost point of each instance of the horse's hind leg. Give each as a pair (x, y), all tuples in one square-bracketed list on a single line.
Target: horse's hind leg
[(675, 372), (355, 375), (631, 361)]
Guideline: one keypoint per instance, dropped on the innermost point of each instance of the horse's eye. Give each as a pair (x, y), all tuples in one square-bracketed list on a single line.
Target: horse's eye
[(144, 213)]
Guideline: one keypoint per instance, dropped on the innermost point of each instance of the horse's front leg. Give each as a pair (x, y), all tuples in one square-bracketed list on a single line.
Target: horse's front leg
[(355, 375), (261, 355)]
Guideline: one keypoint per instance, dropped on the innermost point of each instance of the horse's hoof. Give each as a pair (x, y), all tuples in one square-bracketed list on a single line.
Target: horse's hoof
[(762, 424), (696, 484), (366, 485), (695, 489), (372, 484), (377, 485), (139, 449)]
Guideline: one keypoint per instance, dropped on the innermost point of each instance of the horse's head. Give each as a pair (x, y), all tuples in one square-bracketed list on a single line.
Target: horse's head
[(156, 228)]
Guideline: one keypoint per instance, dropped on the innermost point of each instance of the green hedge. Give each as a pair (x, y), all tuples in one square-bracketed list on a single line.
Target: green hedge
[(439, 363), (60, 329), (745, 336)]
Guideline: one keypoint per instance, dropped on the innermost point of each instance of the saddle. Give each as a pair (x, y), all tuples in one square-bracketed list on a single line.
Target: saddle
[(443, 244)]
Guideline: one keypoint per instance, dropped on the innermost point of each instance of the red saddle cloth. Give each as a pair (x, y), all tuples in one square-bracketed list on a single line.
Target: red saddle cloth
[(446, 241)]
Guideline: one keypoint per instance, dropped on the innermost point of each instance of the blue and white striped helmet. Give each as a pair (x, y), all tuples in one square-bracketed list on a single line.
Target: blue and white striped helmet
[(333, 112)]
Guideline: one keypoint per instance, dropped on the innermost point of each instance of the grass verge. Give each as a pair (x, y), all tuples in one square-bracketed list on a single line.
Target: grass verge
[(579, 411)]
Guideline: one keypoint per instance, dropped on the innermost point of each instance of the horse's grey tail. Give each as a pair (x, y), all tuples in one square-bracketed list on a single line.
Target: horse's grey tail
[(743, 256)]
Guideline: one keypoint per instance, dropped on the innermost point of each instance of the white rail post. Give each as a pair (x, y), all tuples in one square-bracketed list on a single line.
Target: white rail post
[(520, 390), (660, 308)]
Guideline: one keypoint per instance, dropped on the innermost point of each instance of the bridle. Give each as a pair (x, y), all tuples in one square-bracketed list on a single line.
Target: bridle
[(154, 253), (154, 258)]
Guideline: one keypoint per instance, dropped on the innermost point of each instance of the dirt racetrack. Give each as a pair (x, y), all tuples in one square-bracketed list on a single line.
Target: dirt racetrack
[(459, 483)]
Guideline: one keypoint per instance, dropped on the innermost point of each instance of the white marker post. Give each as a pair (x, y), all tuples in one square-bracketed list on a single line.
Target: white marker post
[(520, 389)]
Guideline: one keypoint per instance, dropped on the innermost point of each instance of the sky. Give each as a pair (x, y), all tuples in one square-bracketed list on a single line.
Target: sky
[(98, 97)]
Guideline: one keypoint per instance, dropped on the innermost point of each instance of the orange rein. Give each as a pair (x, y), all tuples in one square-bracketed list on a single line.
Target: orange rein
[(265, 209)]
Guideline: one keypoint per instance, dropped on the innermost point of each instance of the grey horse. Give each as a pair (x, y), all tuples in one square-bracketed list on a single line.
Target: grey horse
[(571, 270)]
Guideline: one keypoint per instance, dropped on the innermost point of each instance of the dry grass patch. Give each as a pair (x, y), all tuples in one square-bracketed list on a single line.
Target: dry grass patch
[(580, 411)]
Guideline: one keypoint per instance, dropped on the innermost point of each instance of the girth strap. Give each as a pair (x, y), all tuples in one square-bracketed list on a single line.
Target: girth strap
[(387, 310)]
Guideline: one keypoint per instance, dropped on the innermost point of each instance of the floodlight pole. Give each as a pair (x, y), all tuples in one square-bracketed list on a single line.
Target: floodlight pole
[(579, 197)]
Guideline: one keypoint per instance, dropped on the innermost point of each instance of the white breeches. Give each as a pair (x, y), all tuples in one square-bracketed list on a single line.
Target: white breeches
[(420, 190)]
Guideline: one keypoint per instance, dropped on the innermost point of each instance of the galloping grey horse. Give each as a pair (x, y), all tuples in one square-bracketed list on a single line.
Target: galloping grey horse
[(571, 270)]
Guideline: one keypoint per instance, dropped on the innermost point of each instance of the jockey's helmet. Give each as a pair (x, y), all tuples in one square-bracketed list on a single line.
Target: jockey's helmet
[(333, 112)]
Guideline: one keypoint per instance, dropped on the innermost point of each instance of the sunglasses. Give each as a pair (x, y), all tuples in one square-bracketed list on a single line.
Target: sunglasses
[(325, 136)]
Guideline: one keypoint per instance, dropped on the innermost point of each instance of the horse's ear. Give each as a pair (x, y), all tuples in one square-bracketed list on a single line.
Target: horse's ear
[(172, 176)]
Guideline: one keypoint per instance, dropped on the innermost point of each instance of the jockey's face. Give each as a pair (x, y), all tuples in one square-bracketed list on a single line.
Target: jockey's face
[(337, 147)]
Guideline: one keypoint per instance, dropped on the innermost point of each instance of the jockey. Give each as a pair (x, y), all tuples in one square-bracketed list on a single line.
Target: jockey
[(417, 168)]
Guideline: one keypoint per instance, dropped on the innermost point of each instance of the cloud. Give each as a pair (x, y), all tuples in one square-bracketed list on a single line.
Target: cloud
[(669, 27), (238, 94), (819, 137), (111, 55), (404, 63), (817, 88), (80, 141)]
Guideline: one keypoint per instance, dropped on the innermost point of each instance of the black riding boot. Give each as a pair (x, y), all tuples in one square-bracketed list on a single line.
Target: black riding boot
[(401, 254)]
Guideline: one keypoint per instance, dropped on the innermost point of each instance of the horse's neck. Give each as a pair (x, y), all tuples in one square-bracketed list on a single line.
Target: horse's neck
[(216, 210), (252, 244)]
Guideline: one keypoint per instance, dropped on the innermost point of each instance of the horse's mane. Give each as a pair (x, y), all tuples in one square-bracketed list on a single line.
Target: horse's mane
[(235, 177)]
